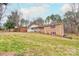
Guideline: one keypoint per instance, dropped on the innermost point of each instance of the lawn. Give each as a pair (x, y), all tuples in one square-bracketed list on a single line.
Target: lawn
[(35, 44)]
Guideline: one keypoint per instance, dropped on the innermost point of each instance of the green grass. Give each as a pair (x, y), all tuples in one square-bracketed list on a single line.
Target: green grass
[(39, 44)]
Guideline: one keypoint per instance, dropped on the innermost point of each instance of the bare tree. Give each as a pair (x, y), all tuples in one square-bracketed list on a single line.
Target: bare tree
[(72, 18), (15, 18), (2, 10)]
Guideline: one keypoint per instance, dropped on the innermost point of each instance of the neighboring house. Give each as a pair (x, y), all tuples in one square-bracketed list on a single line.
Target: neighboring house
[(53, 29), (20, 29)]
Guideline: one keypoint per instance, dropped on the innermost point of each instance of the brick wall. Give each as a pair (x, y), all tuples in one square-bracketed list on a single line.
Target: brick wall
[(60, 30), (57, 30), (23, 29)]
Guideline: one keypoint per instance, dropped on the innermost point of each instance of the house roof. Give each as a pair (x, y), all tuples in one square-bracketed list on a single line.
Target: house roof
[(46, 25), (41, 26), (34, 26)]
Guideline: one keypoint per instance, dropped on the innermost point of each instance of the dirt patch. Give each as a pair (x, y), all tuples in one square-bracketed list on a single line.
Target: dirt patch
[(7, 54)]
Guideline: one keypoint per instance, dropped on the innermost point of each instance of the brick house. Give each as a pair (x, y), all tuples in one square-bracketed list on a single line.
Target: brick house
[(56, 29), (53, 29)]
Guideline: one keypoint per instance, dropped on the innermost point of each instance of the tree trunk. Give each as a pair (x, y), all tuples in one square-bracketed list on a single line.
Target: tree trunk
[(76, 30)]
